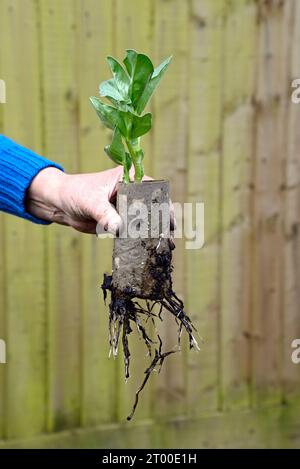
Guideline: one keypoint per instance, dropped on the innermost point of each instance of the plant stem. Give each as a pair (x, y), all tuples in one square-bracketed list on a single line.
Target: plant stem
[(126, 177), (136, 154)]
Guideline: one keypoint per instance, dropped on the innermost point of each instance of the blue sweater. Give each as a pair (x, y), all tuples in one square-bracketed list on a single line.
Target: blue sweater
[(18, 167)]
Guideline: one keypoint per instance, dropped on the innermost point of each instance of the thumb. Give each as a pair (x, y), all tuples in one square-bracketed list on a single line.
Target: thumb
[(107, 218)]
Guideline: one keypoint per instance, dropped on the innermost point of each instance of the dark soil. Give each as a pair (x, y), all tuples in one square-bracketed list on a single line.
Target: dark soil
[(125, 311), (142, 270)]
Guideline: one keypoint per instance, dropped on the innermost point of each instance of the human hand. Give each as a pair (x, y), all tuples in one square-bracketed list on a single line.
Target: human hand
[(78, 200)]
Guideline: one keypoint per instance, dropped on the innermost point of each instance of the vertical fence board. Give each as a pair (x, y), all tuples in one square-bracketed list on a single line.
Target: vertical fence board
[(98, 373), (2, 312), (291, 371), (59, 46), (170, 155), (24, 251), (204, 108), (238, 114), (2, 268), (268, 240)]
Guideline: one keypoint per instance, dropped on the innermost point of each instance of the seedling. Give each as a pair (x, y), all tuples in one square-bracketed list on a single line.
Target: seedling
[(142, 266), (128, 91)]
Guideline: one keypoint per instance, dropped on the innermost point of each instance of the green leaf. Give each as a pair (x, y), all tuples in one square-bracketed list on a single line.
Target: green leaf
[(142, 69), (162, 67), (140, 125), (118, 155), (130, 125), (130, 61), (111, 155), (112, 117), (104, 112), (116, 150), (109, 89), (120, 76), (120, 105), (152, 84), (125, 123)]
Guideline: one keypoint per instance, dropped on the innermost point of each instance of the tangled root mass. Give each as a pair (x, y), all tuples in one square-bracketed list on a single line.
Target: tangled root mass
[(125, 311)]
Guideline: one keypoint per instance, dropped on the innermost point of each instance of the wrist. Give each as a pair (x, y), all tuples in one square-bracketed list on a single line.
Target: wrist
[(44, 193)]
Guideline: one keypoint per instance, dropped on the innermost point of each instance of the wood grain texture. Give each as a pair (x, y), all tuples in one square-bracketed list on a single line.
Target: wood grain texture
[(3, 335), (270, 101), (204, 153), (236, 176), (2, 279), (98, 378), (25, 318), (291, 322), (64, 276), (225, 133), (270, 428), (171, 37)]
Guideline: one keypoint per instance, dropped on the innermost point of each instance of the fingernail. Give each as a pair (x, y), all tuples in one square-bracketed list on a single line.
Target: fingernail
[(113, 228)]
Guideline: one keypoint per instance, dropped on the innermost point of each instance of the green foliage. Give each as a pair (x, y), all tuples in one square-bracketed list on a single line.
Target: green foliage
[(152, 84), (128, 92), (116, 152)]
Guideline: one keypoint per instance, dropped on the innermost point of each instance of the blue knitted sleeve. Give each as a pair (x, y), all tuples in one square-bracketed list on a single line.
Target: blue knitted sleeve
[(18, 167)]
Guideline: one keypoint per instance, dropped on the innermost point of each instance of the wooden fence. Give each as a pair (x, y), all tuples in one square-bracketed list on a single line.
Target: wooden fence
[(226, 133)]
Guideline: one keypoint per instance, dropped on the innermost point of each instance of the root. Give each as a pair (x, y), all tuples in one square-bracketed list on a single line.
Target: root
[(159, 358), (123, 311)]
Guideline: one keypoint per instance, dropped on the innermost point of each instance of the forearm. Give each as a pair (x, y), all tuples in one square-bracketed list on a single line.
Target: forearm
[(18, 168)]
